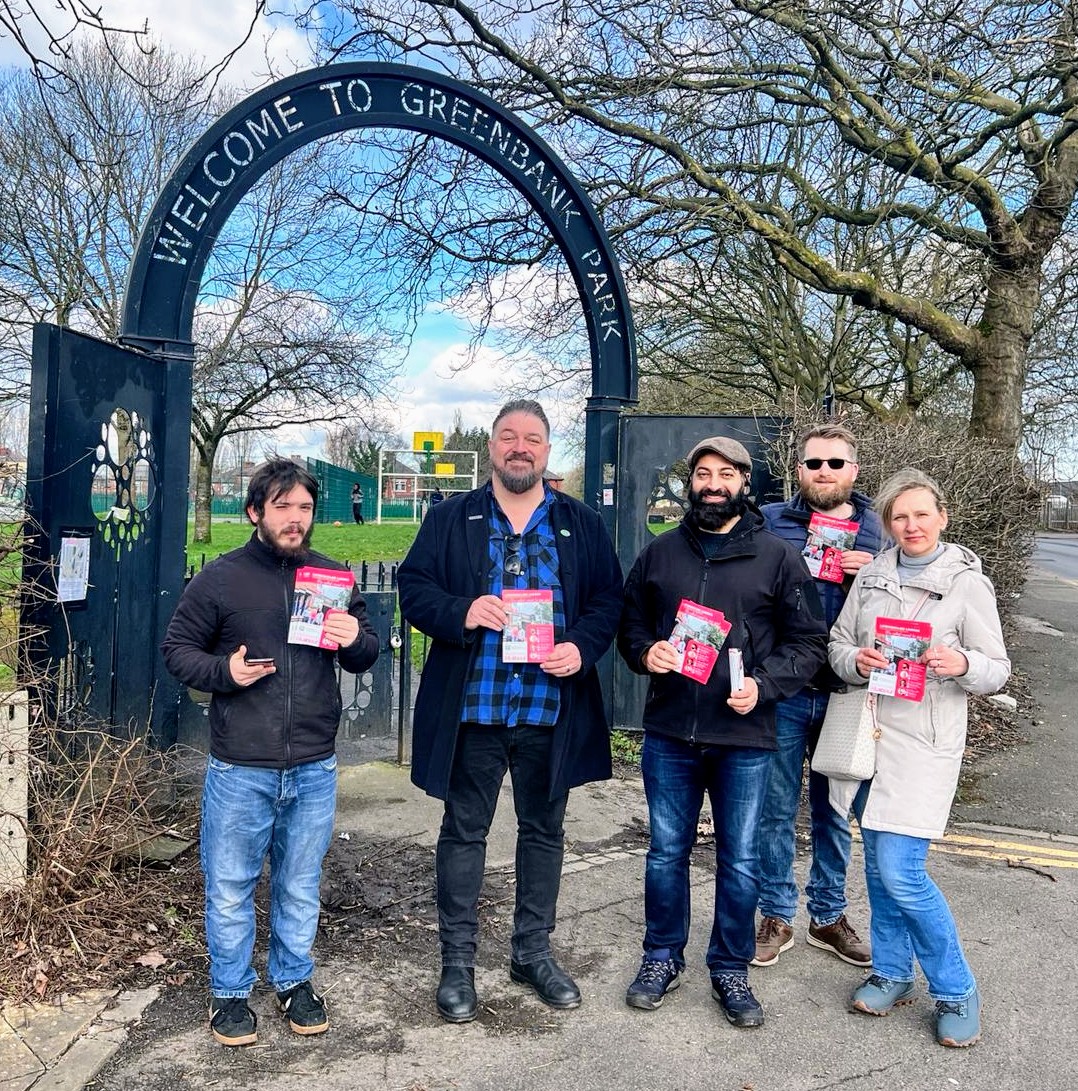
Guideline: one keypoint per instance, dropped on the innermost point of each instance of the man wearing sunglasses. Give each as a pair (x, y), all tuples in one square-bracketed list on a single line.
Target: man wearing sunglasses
[(826, 472), (477, 715)]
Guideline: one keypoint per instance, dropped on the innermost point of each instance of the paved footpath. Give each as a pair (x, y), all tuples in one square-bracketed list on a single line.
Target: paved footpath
[(1014, 894)]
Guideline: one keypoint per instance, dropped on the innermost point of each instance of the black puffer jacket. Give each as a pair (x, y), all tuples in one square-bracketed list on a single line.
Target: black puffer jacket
[(245, 597), (762, 586)]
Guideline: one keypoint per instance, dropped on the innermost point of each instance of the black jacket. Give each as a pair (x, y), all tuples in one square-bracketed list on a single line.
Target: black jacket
[(790, 520), (762, 586), (446, 570), (245, 597)]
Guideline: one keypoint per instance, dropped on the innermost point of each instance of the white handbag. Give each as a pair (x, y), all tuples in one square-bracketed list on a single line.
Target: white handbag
[(846, 749)]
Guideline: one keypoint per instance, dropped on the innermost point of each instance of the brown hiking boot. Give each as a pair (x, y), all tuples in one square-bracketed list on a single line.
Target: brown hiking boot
[(772, 938), (840, 939)]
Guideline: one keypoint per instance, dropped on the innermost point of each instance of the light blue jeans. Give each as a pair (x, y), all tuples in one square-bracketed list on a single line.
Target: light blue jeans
[(910, 916), (676, 776), (247, 813), (797, 726)]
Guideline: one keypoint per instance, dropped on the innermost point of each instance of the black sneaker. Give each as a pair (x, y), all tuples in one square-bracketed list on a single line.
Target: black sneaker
[(654, 979), (232, 1021), (740, 1007), (306, 1010)]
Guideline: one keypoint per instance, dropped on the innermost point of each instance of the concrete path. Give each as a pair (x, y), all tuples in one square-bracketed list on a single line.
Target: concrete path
[(1014, 893)]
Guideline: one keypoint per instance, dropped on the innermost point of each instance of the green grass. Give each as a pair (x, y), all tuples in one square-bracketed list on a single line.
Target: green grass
[(388, 542), (626, 747)]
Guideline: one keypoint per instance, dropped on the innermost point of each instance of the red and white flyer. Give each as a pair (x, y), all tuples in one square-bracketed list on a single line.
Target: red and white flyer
[(319, 592), (827, 538), (528, 636), (698, 635), (902, 643)]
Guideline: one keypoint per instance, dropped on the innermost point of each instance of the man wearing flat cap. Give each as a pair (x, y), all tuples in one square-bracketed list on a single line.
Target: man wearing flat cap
[(717, 735)]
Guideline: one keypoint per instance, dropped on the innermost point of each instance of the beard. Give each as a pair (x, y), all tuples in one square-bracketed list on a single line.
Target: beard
[(714, 515), (826, 497), (519, 475), (280, 550)]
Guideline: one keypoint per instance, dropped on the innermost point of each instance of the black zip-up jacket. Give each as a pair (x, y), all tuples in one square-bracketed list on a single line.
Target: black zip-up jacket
[(762, 586), (245, 597)]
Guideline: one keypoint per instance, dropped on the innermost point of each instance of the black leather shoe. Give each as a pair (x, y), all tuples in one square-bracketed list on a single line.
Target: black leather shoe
[(456, 999), (551, 983)]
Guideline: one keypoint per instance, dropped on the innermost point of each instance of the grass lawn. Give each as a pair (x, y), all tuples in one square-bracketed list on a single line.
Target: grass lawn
[(388, 542)]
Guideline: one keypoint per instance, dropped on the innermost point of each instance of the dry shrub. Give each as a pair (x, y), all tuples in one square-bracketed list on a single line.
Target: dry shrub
[(96, 908), (992, 504)]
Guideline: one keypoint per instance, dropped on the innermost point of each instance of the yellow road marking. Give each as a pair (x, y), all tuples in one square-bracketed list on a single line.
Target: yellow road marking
[(991, 843), (989, 854), (987, 848)]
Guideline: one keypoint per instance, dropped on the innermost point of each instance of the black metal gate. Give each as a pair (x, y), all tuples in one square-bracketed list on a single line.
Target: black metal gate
[(649, 447), (106, 496)]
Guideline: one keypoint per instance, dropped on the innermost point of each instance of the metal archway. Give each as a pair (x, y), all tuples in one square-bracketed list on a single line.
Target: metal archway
[(176, 241)]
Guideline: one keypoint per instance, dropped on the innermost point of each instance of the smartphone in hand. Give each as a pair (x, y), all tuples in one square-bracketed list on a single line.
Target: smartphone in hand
[(256, 662)]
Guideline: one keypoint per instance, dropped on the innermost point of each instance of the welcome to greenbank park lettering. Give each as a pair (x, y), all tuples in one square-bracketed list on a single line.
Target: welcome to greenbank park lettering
[(225, 167)]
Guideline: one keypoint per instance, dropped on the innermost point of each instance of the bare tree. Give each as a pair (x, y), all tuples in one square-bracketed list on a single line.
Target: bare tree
[(48, 35), (357, 444), (952, 132), (285, 309)]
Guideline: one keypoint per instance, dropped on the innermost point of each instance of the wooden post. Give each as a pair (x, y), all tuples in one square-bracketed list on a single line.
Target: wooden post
[(14, 746)]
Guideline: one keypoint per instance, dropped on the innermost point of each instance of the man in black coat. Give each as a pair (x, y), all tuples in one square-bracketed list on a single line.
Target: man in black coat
[(478, 714), (271, 782), (713, 736)]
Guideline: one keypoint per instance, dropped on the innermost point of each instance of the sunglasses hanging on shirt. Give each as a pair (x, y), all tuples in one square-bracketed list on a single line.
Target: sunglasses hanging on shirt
[(513, 563)]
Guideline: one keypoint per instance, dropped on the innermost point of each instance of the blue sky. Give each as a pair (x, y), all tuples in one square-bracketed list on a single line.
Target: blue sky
[(433, 384)]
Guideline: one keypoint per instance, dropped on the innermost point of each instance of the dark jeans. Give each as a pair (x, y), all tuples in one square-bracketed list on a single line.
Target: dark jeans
[(676, 776), (483, 754)]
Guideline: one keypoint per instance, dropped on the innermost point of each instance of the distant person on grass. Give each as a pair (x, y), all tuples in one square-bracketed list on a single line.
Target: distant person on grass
[(357, 504), (271, 782)]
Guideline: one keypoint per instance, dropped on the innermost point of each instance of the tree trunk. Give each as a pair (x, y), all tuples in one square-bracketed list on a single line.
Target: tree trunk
[(1001, 359), (204, 494)]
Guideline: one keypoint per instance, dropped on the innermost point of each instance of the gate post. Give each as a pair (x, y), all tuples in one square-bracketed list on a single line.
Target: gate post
[(177, 360)]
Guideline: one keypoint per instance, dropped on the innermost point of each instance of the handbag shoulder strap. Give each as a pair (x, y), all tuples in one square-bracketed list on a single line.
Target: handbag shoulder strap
[(925, 595)]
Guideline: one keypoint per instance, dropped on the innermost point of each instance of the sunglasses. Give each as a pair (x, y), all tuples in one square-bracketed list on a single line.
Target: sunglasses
[(513, 564), (816, 463)]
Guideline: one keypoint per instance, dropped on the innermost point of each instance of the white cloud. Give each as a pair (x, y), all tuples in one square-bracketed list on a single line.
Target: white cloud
[(200, 29), (427, 399)]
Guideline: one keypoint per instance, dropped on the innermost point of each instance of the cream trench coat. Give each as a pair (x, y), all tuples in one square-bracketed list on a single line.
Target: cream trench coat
[(919, 751)]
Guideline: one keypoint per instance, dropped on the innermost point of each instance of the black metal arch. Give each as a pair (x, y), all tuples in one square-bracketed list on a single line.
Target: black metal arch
[(228, 159)]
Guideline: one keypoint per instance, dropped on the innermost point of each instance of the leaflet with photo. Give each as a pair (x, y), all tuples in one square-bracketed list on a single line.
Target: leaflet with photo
[(827, 538), (901, 643), (319, 592), (697, 636), (528, 636)]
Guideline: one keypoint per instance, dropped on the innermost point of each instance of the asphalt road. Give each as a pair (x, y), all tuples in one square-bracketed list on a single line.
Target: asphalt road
[(1057, 554), (1032, 786)]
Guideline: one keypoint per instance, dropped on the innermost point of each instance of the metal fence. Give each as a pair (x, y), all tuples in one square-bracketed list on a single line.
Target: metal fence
[(375, 705), (1060, 513)]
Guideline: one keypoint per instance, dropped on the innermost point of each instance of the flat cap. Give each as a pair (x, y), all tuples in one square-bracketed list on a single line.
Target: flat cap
[(724, 447)]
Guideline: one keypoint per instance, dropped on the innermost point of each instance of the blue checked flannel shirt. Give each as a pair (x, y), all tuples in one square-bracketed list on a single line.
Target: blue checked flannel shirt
[(517, 693)]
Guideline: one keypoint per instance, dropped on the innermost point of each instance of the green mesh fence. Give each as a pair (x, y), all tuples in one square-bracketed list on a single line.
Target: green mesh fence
[(335, 492)]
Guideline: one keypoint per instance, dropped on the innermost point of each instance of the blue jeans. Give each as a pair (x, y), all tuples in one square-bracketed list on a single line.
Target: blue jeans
[(910, 915), (797, 724), (676, 776), (248, 812), (483, 755)]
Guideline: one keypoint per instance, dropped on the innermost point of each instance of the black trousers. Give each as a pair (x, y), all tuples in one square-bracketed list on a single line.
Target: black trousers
[(483, 755)]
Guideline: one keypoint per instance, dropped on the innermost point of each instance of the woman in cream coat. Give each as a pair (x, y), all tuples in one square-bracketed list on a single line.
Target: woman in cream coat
[(919, 747)]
